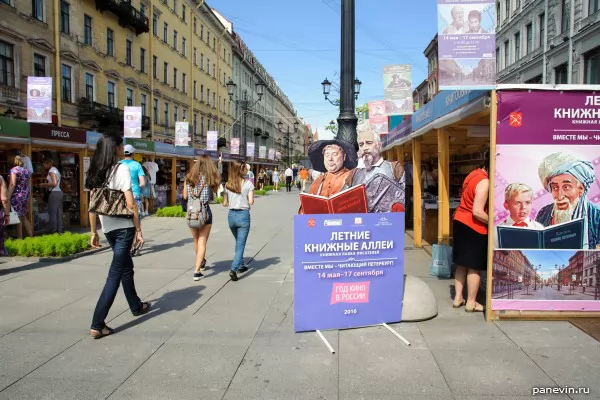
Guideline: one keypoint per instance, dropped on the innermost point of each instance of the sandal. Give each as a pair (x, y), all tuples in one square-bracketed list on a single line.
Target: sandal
[(101, 333), (143, 310), (458, 305), (203, 265), (478, 308)]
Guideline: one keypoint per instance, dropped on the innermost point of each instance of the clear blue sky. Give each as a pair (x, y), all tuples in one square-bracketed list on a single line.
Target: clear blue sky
[(298, 42), (548, 260)]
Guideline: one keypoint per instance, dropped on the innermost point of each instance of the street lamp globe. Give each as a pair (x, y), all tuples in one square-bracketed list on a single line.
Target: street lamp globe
[(260, 87), (296, 126), (326, 87), (230, 89), (280, 126), (357, 84)]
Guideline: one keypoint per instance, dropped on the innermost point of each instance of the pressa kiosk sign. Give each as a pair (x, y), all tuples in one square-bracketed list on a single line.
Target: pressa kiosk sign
[(63, 133)]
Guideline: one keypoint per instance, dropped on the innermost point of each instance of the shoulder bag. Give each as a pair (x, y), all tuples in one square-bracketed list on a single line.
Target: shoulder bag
[(109, 202), (196, 214)]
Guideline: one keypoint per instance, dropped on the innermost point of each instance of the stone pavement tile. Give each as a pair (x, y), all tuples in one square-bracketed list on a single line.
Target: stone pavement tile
[(546, 334), (373, 362), (379, 396), (536, 397), (571, 367), (184, 371), (282, 372), (479, 372), (57, 389), (463, 333)]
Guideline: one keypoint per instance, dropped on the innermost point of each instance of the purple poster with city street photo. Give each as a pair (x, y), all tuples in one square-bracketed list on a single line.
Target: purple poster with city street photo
[(466, 44), (348, 270), (211, 140), (132, 122), (39, 99), (250, 149), (271, 154), (235, 145)]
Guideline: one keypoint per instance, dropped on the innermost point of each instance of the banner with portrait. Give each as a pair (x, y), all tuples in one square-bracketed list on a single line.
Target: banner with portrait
[(271, 154), (378, 117), (262, 152), (250, 149), (235, 146), (397, 89), (39, 99), (182, 137), (466, 44), (211, 140), (132, 124), (547, 202), (278, 155)]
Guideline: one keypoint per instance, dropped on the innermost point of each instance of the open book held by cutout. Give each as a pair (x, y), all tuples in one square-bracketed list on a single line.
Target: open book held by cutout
[(353, 200), (567, 236)]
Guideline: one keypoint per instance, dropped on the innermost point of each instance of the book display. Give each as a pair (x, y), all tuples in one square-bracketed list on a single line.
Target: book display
[(353, 200)]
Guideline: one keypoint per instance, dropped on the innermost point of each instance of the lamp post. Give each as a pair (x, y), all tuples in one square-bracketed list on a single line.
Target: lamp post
[(280, 128), (247, 105), (535, 270), (349, 85)]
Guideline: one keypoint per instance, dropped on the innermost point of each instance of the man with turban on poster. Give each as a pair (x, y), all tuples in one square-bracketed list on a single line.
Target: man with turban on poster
[(568, 179), (384, 180), (335, 158)]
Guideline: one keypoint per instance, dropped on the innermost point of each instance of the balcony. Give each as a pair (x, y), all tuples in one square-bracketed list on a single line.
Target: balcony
[(8, 91), (127, 14), (105, 116), (257, 132), (265, 135)]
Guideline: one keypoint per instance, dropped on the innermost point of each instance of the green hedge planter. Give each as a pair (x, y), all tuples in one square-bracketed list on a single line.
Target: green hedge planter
[(55, 245), (170, 212), (260, 192)]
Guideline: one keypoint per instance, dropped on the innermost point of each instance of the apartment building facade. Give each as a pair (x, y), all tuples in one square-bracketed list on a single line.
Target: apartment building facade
[(535, 38)]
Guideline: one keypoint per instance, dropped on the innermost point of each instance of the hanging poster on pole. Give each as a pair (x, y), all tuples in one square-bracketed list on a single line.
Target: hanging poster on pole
[(250, 149), (262, 152), (39, 99), (211, 140), (547, 201), (348, 270), (278, 155), (132, 122), (466, 44), (235, 146), (377, 116), (271, 154), (397, 89), (182, 137)]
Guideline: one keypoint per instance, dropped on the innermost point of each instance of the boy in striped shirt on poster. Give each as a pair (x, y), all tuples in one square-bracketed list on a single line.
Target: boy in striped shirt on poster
[(518, 200)]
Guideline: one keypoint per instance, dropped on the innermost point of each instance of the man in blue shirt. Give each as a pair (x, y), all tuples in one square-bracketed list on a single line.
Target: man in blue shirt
[(138, 181)]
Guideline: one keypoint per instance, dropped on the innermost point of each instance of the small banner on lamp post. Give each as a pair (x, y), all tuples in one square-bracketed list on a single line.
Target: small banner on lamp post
[(211, 140), (235, 146), (397, 89), (132, 122), (271, 154), (250, 149), (182, 134), (262, 152), (39, 99)]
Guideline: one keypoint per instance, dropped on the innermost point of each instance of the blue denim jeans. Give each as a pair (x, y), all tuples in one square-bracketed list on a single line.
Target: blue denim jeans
[(239, 223), (121, 271)]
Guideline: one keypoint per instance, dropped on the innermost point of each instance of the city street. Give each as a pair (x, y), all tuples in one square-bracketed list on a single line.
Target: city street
[(217, 339), (551, 293)]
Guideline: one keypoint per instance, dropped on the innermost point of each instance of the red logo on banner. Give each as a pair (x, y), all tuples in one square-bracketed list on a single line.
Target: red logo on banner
[(311, 223), (515, 119)]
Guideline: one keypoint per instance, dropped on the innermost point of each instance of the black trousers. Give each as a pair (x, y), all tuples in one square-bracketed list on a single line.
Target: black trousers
[(288, 183), (408, 207)]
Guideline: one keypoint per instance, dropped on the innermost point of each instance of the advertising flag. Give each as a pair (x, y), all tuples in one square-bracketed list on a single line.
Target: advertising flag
[(278, 155), (211, 140), (182, 134), (271, 154), (397, 89), (235, 145), (250, 149), (132, 124), (466, 44), (262, 152), (378, 117), (39, 99)]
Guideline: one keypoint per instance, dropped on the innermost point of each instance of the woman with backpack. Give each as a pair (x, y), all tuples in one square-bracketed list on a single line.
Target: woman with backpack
[(202, 180), (238, 196)]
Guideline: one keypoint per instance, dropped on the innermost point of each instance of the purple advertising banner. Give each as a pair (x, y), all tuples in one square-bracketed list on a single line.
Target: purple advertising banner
[(466, 44), (348, 270), (182, 133), (271, 154), (235, 146), (132, 122), (397, 90), (250, 149), (39, 99), (262, 152), (211, 140), (278, 155)]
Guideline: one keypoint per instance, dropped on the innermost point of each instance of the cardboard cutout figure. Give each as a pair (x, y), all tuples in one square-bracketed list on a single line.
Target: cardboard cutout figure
[(384, 180)]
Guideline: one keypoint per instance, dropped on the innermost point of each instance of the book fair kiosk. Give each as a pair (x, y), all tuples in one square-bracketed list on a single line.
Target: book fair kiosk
[(534, 133)]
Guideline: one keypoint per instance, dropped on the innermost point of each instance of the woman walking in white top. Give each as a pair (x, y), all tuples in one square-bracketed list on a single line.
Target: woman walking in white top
[(55, 200)]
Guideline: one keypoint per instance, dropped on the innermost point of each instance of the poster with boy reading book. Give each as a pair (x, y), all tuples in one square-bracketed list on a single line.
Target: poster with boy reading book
[(547, 201)]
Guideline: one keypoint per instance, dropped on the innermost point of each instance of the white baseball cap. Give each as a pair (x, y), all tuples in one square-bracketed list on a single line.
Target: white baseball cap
[(128, 149)]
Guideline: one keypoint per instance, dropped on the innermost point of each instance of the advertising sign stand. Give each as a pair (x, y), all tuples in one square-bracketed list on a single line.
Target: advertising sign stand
[(493, 124), (325, 341), (386, 326)]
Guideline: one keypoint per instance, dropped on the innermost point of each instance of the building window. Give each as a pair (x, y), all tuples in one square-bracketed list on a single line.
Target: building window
[(155, 111), (175, 40), (143, 103), (110, 42), (517, 46), (165, 73), (87, 30), (129, 97), (183, 12), (207, 37), (208, 96), (183, 46), (142, 59), (64, 17), (143, 9), (154, 62), (517, 5), (194, 90), (564, 20), (201, 31), (214, 44), (39, 65), (89, 87), (166, 33), (176, 112), (506, 54), (7, 64), (175, 78), (37, 9), (214, 102), (184, 115), (66, 83), (201, 92), (214, 70), (202, 61), (111, 94), (175, 6), (166, 121), (592, 67), (195, 56), (183, 83), (128, 52), (154, 24), (195, 25), (529, 38), (195, 124), (507, 9), (560, 74), (542, 30), (594, 7), (208, 66), (202, 126)]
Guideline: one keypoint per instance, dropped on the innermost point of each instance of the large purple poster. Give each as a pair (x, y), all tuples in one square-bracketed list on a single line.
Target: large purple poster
[(39, 99), (348, 270), (466, 44), (547, 201)]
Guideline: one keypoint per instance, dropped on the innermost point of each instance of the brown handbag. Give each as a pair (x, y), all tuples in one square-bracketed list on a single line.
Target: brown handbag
[(109, 202)]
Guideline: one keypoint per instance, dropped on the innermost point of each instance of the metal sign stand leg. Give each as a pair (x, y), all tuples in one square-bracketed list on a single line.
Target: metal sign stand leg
[(325, 341), (406, 342)]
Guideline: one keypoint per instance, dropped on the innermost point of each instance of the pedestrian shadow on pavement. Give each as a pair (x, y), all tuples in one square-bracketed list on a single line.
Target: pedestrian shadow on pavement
[(166, 246), (175, 300), (254, 265), (26, 267)]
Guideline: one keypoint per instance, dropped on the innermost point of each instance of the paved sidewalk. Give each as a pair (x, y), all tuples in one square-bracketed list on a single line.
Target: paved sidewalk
[(217, 339)]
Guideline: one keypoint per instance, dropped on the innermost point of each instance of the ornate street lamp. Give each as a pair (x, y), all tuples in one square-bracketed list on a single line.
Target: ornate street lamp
[(246, 104), (357, 84)]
